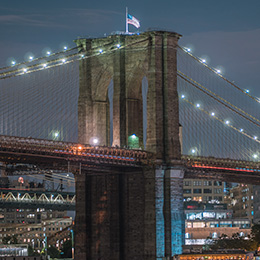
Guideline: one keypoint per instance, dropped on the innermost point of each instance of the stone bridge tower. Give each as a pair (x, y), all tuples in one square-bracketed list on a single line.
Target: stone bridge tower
[(121, 213)]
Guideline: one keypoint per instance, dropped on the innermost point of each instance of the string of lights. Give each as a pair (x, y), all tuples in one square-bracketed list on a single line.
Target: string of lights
[(218, 72), (11, 72), (226, 122), (31, 58), (219, 99)]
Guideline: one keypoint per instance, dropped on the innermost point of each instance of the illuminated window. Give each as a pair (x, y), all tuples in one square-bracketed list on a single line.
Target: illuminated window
[(215, 235), (198, 224)]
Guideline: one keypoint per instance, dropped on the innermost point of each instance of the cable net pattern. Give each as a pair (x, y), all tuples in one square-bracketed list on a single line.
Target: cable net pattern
[(217, 118), (41, 104)]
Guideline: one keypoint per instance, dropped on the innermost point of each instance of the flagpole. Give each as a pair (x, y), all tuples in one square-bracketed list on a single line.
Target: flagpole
[(126, 24)]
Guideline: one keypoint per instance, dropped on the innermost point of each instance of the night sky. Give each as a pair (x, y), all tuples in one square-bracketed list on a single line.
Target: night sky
[(227, 31)]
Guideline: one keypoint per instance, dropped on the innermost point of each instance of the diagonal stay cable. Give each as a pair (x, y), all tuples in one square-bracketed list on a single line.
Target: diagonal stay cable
[(219, 99), (221, 76)]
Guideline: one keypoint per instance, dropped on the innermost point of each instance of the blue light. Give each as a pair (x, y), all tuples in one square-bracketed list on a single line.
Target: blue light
[(100, 51)]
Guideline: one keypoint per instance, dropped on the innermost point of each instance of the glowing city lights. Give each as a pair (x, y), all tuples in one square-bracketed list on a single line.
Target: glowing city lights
[(133, 136), (95, 141)]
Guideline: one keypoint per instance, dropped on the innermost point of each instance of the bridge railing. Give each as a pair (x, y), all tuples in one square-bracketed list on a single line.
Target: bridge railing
[(224, 162), (72, 151)]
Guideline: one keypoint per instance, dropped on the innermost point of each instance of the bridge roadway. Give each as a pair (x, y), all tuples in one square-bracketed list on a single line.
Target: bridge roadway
[(64, 155), (32, 199), (61, 155)]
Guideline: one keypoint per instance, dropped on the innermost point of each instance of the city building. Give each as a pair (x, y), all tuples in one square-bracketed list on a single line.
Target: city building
[(241, 201), (203, 190), (206, 222), (36, 234), (256, 191)]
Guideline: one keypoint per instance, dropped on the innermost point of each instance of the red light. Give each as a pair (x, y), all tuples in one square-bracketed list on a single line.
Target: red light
[(221, 168)]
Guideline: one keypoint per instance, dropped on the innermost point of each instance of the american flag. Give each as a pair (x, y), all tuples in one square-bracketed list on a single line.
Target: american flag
[(132, 20)]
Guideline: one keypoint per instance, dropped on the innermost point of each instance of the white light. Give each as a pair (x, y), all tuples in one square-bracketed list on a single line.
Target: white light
[(227, 122), (95, 141), (182, 96), (82, 56), (197, 105), (241, 130), (56, 134), (24, 70), (193, 150), (203, 61), (13, 62), (218, 71), (48, 53), (63, 60), (213, 114), (188, 49), (44, 65), (31, 58), (255, 156), (133, 136), (247, 91), (255, 137), (65, 48), (118, 45), (100, 51)]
